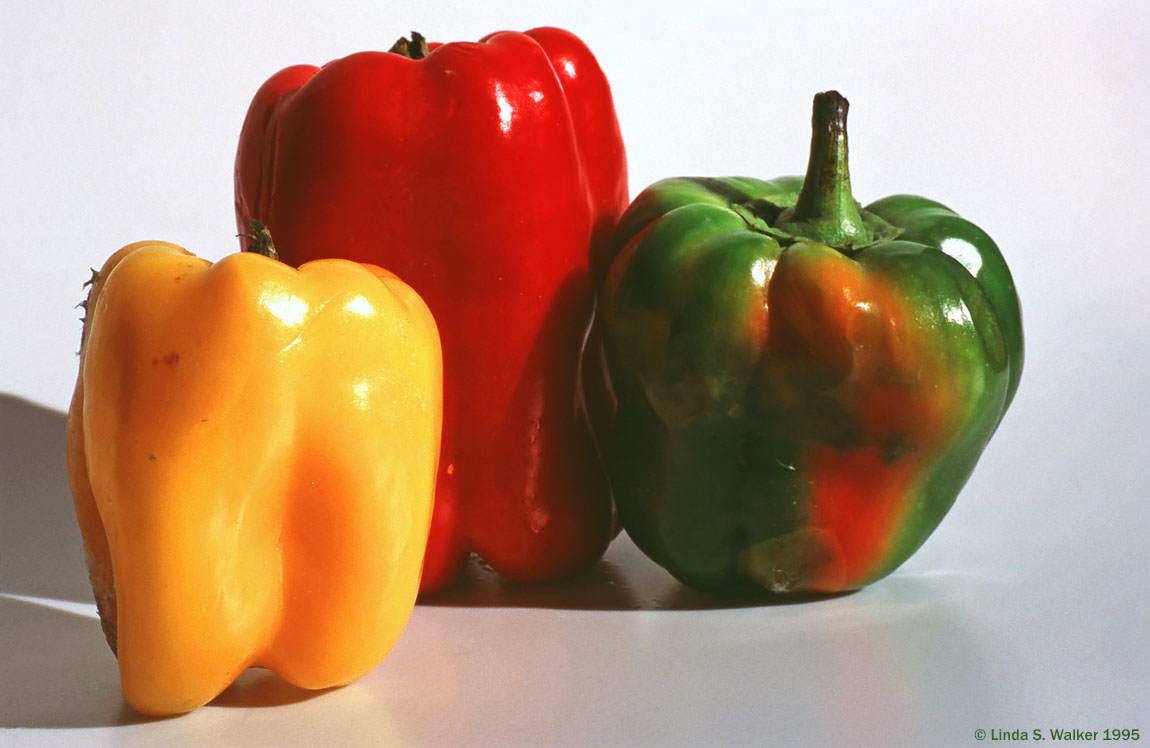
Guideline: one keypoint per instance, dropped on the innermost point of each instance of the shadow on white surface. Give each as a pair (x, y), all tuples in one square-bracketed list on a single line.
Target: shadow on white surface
[(40, 549), (57, 672), (624, 579)]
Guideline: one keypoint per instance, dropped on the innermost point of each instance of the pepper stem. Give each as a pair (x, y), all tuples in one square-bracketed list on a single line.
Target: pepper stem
[(826, 211), (415, 48), (261, 240)]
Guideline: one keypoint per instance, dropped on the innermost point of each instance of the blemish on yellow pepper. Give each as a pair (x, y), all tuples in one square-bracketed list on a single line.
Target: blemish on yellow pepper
[(252, 452)]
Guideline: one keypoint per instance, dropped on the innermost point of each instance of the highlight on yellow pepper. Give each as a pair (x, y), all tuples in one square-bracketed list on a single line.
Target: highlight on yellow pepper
[(252, 452)]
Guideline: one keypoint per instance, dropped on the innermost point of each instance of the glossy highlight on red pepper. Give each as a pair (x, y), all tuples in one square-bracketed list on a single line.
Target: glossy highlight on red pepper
[(485, 174), (804, 385)]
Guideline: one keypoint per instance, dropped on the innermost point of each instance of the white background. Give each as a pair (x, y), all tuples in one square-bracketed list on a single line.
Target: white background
[(1026, 610)]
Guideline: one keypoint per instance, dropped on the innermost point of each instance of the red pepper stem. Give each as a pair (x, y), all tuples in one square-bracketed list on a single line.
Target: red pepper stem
[(261, 240), (414, 48), (826, 211)]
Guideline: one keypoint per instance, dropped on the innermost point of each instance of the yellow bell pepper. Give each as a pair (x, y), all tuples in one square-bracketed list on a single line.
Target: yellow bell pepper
[(252, 452)]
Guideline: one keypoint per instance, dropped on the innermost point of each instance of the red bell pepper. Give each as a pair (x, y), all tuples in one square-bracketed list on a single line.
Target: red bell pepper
[(485, 175)]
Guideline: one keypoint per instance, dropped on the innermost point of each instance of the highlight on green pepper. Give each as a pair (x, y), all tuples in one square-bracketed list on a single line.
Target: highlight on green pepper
[(804, 385)]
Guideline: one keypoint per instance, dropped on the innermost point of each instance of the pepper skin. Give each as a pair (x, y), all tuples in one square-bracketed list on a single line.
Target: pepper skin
[(252, 454), (484, 174), (804, 386)]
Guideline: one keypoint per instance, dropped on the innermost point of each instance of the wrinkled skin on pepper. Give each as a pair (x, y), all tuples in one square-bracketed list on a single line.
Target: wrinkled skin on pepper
[(803, 385), (252, 454), (483, 174)]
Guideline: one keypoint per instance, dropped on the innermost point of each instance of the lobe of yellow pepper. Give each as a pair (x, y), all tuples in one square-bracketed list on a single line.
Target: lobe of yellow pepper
[(252, 451)]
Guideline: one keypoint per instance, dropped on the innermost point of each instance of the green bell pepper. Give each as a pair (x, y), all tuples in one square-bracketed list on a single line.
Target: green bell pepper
[(803, 385)]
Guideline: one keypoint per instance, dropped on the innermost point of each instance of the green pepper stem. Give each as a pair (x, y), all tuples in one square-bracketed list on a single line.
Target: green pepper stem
[(261, 240), (414, 49), (826, 211)]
